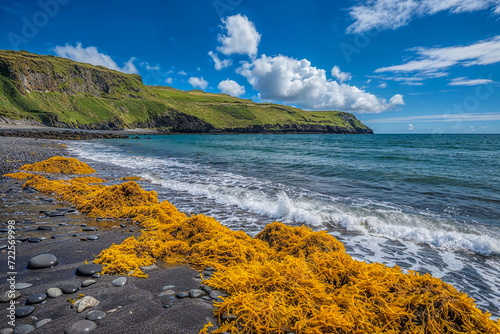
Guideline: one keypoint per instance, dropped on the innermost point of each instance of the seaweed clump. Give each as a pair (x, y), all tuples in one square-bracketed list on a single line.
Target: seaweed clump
[(286, 279), (59, 165), (19, 176)]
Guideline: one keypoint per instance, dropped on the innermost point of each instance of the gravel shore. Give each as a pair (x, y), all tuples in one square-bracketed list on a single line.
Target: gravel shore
[(15, 151), (47, 226)]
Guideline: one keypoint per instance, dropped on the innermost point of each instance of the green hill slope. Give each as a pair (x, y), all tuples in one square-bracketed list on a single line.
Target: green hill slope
[(61, 92)]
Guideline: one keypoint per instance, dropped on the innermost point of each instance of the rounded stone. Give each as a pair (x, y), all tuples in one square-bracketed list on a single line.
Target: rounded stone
[(23, 329), (167, 293), (96, 275), (120, 281), (7, 331), (34, 239), (168, 287), (43, 322), (36, 298), (89, 229), (88, 282), (42, 261), (81, 327), (215, 294), (45, 228), (69, 288), (7, 296), (54, 292), (206, 288), (182, 295), (92, 237), (95, 315), (88, 269), (24, 311), (20, 286), (196, 293)]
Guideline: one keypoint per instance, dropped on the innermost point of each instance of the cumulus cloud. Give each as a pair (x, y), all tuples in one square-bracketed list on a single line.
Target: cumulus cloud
[(198, 82), (231, 87), (240, 36), (393, 14), (411, 127), (382, 85), (295, 81), (462, 81), (220, 64), (169, 81), (182, 72), (433, 60), (91, 55), (339, 75)]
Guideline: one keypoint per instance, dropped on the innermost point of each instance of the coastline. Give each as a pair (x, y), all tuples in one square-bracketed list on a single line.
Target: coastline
[(105, 226), (127, 307)]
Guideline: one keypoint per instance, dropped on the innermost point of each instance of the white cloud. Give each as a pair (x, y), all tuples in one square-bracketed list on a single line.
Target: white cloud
[(182, 72), (149, 67), (169, 81), (433, 60), (453, 117), (92, 56), (397, 100), (198, 82), (220, 64), (341, 76), (295, 81), (241, 36), (411, 127), (382, 85), (231, 87), (462, 81), (393, 14)]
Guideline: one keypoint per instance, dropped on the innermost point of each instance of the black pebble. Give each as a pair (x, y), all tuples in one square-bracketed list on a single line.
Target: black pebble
[(69, 288)]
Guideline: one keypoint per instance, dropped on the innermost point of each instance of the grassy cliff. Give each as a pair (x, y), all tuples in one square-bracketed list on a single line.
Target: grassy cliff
[(61, 92)]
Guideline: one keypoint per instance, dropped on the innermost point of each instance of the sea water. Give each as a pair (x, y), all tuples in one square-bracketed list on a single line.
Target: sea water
[(428, 203)]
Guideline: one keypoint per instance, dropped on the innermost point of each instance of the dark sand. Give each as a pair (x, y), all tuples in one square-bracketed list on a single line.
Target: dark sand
[(141, 309)]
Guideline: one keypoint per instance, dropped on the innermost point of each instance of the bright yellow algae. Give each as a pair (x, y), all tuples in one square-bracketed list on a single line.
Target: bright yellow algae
[(59, 165), (286, 279), (19, 176), (88, 179), (131, 178)]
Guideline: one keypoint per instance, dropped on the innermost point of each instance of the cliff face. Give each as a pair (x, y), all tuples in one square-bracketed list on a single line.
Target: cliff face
[(34, 73), (60, 92)]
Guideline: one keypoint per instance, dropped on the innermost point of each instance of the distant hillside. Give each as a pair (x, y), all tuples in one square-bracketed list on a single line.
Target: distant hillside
[(64, 93)]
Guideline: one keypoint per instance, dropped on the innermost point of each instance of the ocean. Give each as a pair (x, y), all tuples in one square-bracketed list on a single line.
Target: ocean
[(427, 203)]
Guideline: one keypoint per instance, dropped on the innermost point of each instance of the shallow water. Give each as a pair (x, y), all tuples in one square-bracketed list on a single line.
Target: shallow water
[(428, 203)]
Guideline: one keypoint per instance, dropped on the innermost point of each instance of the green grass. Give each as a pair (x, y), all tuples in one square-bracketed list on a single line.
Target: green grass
[(75, 94)]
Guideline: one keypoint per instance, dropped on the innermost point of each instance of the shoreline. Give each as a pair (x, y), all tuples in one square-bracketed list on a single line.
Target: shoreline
[(136, 307), (131, 279)]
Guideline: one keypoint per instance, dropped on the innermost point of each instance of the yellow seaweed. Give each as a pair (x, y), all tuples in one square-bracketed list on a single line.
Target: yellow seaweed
[(61, 165), (286, 279), (19, 176)]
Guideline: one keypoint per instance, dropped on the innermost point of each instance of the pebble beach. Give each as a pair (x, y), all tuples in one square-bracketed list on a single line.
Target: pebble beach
[(58, 292)]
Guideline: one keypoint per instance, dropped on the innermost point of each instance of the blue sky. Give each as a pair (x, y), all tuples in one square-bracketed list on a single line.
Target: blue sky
[(401, 66)]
